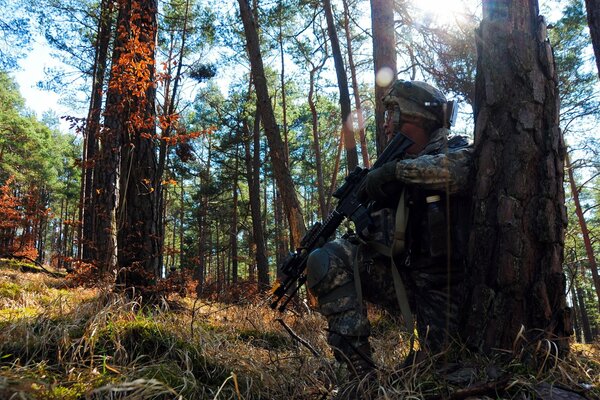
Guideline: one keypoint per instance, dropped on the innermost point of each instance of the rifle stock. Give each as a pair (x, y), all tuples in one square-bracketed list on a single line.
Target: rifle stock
[(348, 207)]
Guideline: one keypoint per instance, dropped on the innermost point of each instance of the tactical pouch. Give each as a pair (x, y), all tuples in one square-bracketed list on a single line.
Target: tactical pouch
[(436, 235)]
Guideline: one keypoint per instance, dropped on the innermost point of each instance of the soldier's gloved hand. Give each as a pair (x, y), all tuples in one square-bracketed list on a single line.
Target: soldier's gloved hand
[(379, 184)]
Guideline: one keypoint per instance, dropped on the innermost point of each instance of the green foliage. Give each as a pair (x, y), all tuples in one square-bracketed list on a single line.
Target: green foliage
[(577, 78)]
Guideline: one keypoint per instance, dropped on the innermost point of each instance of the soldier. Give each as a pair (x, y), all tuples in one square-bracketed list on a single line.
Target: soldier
[(409, 200)]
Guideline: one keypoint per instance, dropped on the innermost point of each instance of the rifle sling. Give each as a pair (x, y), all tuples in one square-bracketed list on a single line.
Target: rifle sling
[(397, 247)]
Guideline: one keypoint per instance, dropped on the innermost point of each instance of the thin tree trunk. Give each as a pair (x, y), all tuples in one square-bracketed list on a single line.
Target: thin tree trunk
[(233, 230), (282, 79), (584, 229), (276, 146), (588, 337), (317, 145), (517, 238), (336, 170), (384, 57), (359, 114), (203, 227), (342, 80), (253, 178)]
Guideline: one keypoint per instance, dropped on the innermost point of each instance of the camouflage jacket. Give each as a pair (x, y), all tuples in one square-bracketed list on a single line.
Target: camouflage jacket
[(443, 167)]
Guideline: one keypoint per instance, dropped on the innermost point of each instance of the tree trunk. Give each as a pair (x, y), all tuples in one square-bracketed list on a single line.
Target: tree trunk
[(519, 217), (253, 178), (139, 235), (87, 239), (342, 80), (276, 147), (108, 160), (593, 16), (585, 319), (384, 56), (203, 227), (317, 146), (233, 230), (359, 114), (584, 229)]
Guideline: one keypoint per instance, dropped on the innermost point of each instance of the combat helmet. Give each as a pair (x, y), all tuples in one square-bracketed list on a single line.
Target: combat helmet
[(417, 99)]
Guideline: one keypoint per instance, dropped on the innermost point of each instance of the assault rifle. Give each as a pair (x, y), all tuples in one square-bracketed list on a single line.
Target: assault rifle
[(348, 206)]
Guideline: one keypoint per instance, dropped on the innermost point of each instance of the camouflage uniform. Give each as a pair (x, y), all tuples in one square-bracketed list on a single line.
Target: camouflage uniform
[(442, 168)]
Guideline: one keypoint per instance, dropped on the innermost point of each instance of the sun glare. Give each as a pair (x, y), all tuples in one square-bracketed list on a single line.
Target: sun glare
[(446, 11)]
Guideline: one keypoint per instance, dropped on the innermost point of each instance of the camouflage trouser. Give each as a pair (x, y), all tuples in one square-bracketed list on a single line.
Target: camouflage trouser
[(426, 281)]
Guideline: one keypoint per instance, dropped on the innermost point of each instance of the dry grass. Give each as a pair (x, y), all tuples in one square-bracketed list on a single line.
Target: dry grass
[(58, 343)]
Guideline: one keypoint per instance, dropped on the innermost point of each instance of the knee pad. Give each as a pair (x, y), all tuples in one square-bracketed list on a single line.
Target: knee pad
[(317, 267)]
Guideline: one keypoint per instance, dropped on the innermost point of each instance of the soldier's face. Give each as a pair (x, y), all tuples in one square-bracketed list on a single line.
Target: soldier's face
[(414, 130)]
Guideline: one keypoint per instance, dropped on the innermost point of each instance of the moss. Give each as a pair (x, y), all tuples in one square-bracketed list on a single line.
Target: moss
[(266, 340), (11, 264), (11, 314), (10, 290), (143, 339), (60, 392)]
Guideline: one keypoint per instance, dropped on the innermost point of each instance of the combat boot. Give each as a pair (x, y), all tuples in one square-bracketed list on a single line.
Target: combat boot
[(360, 365)]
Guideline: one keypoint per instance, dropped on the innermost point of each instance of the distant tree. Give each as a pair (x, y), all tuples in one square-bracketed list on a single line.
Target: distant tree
[(276, 146), (342, 81)]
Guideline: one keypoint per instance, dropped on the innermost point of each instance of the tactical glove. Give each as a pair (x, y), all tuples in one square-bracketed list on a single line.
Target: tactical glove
[(379, 184)]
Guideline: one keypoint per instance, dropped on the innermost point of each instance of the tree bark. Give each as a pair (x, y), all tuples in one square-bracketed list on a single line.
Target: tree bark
[(384, 56), (138, 215), (204, 231), (593, 16), (342, 80), (233, 230), (519, 217), (87, 234), (317, 146), (109, 156), (276, 147), (359, 114), (253, 178), (588, 337)]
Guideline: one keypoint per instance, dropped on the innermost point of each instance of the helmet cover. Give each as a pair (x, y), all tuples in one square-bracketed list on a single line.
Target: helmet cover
[(416, 98)]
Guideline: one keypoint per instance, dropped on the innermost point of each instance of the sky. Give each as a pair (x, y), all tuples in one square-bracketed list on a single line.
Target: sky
[(39, 59)]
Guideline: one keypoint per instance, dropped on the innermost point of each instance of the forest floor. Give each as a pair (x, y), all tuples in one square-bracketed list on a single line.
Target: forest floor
[(63, 342)]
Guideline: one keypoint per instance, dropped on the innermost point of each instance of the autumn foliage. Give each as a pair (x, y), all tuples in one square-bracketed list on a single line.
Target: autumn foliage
[(20, 214)]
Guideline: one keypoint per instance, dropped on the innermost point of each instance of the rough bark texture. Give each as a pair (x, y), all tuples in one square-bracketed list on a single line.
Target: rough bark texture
[(342, 80), (108, 160), (139, 235), (593, 16), (384, 55), (92, 130), (276, 146), (517, 238)]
